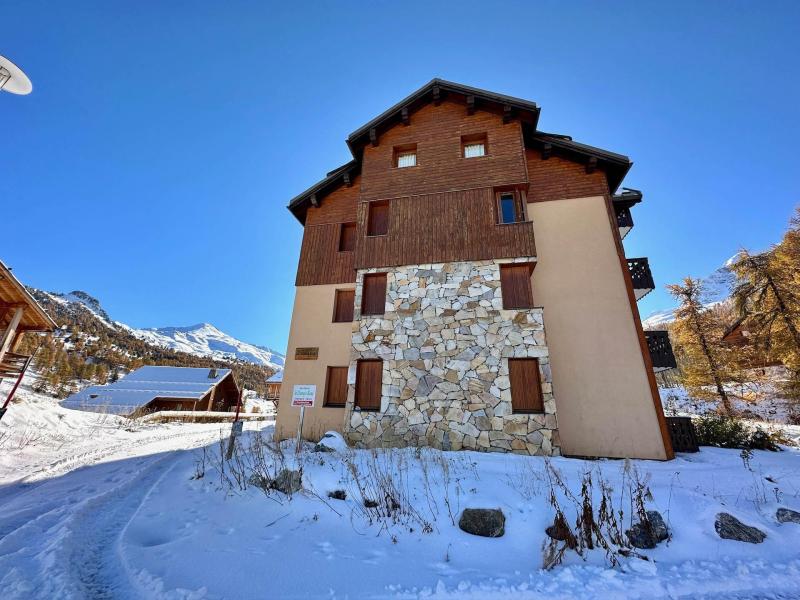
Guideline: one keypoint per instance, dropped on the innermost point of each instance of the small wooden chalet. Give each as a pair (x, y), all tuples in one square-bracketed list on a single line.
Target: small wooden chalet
[(274, 386), (19, 313), (153, 389)]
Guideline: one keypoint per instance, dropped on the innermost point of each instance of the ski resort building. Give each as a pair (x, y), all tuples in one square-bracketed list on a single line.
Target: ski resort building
[(462, 283), (153, 389), (274, 386)]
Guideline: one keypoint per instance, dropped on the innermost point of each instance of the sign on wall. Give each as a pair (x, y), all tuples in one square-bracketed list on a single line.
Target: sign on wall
[(304, 395), (306, 353)]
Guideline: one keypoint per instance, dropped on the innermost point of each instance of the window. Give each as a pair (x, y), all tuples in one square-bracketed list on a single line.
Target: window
[(336, 387), (405, 156), (378, 218), (347, 237), (343, 306), (373, 294), (473, 146), (510, 207), (369, 374), (515, 284), (526, 385)]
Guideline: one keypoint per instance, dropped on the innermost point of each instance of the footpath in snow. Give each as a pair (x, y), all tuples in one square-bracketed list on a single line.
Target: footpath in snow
[(89, 509)]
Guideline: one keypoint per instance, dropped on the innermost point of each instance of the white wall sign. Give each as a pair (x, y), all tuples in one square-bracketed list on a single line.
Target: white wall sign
[(304, 395)]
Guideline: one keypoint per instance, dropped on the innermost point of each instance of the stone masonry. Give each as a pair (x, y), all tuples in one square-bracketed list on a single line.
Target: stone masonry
[(444, 340)]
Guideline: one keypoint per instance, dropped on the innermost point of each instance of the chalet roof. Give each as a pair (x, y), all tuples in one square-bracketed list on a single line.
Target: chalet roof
[(145, 384), (13, 293), (615, 165), (627, 197), (277, 377)]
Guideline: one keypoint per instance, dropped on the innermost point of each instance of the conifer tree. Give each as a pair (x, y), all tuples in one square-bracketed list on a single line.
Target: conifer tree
[(705, 359)]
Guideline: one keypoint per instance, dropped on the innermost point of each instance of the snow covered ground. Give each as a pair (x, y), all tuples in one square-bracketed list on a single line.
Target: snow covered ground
[(92, 507)]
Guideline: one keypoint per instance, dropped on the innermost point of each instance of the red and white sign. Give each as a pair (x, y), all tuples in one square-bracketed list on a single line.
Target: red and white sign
[(304, 395)]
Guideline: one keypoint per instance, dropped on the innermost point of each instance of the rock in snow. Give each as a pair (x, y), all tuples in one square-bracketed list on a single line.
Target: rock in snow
[(485, 522), (787, 515), (288, 481), (332, 441), (730, 528), (644, 537)]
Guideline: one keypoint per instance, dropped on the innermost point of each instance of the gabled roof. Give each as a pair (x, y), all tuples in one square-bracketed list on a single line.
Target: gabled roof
[(277, 377), (12, 292), (615, 165), (627, 197), (140, 387)]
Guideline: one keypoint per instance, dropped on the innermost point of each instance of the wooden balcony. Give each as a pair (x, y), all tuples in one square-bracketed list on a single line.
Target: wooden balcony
[(660, 350), (641, 276), (622, 203)]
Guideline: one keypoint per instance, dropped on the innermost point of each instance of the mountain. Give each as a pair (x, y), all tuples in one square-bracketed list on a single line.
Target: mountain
[(718, 287), (91, 347), (206, 340)]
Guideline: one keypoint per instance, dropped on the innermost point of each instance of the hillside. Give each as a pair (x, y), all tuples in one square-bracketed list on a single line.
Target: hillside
[(91, 347)]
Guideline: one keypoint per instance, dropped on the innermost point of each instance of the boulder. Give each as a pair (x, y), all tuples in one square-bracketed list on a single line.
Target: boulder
[(787, 515), (730, 528), (332, 441), (646, 537), (485, 522), (288, 481), (338, 495)]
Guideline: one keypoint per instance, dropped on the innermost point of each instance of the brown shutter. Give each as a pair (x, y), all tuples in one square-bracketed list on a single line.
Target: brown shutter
[(336, 386), (343, 306), (368, 384), (515, 283), (378, 222), (373, 295), (526, 386), (347, 237)]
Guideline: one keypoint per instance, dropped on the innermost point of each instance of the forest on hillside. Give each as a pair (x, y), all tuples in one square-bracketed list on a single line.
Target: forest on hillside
[(764, 308), (85, 350)]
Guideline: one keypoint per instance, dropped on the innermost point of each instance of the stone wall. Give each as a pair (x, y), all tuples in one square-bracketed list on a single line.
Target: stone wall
[(445, 340)]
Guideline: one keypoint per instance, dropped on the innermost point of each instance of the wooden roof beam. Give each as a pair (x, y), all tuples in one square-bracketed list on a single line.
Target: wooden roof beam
[(470, 105), (373, 137), (404, 116), (591, 164)]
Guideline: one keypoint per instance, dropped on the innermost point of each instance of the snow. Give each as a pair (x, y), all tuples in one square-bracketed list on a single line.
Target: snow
[(277, 377), (206, 340), (143, 385), (95, 506)]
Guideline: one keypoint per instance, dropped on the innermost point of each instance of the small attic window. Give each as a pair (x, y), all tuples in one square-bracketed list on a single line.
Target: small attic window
[(212, 373), (405, 156), (473, 146), (93, 396)]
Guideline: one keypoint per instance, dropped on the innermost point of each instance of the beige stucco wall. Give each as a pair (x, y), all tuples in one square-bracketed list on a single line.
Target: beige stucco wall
[(603, 398), (312, 327)]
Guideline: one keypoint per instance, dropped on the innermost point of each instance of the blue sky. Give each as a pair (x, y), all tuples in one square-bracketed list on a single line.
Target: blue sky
[(153, 162)]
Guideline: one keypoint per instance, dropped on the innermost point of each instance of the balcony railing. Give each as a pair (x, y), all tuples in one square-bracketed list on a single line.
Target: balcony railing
[(642, 277), (624, 220), (660, 350)]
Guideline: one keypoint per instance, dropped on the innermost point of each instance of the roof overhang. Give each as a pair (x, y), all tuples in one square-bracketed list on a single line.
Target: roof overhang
[(13, 294), (627, 198)]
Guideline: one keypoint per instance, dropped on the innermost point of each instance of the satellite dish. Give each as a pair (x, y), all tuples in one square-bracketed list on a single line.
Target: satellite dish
[(12, 79)]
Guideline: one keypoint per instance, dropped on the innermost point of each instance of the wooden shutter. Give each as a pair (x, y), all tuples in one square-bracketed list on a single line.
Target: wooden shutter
[(343, 306), (526, 386), (373, 294), (336, 386), (369, 374), (378, 218), (515, 283), (347, 237)]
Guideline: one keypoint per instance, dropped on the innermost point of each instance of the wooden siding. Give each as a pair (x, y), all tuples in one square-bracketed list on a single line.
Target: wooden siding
[(368, 384), (558, 178), (320, 260), (526, 385), (336, 386), (437, 132), (337, 207), (442, 227)]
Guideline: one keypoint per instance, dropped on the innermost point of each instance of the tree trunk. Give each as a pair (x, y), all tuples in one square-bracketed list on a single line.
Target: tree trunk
[(785, 313), (726, 403)]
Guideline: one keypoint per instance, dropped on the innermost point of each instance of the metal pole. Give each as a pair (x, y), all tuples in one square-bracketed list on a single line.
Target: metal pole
[(300, 430)]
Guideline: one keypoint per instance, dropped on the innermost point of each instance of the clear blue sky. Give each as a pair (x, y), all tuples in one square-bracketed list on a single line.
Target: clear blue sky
[(153, 162)]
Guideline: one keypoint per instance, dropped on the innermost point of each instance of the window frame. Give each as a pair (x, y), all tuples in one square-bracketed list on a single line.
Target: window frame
[(336, 295), (359, 382), (326, 396), (370, 206), (506, 302), (342, 226), (371, 277), (474, 138), (538, 395), (520, 206), (402, 150)]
